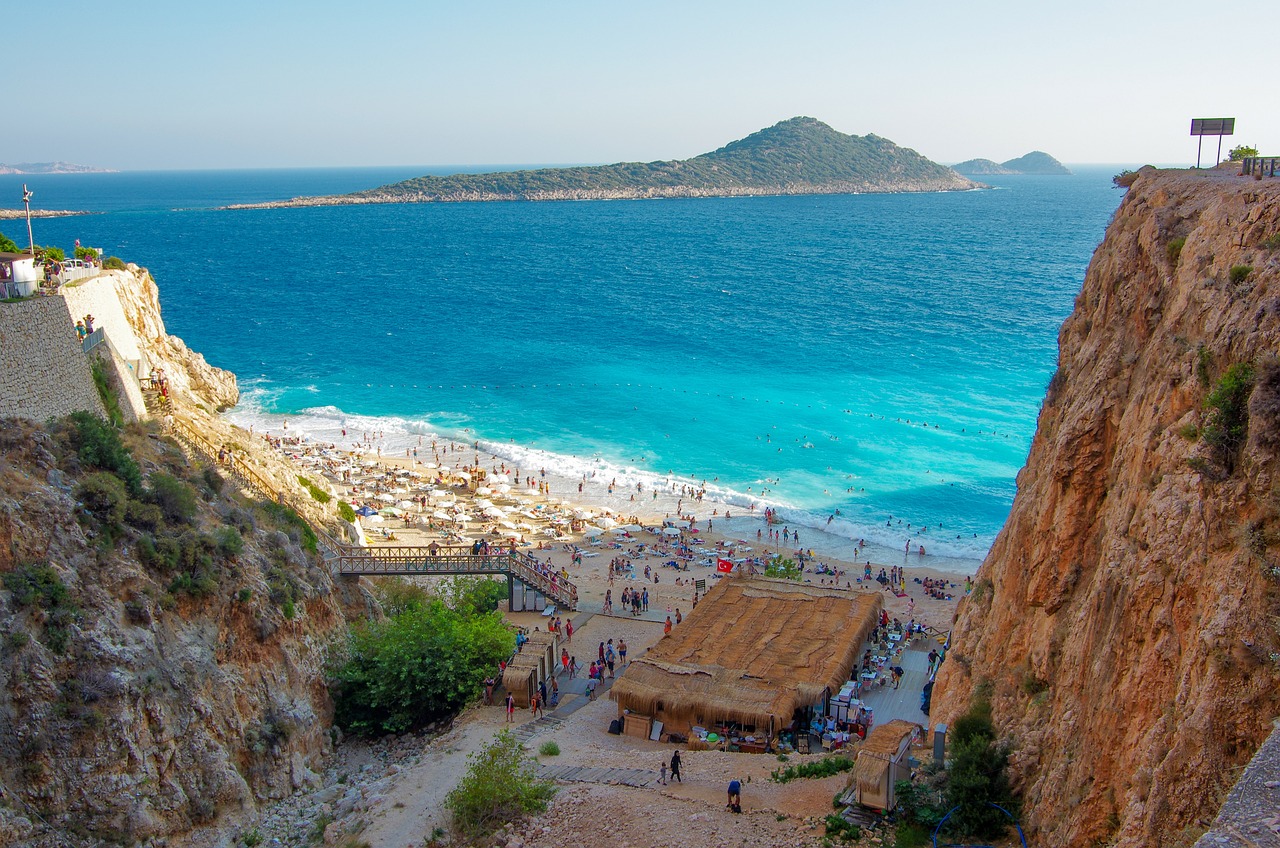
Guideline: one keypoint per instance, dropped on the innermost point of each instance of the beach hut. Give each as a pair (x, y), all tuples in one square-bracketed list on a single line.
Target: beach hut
[(19, 275), (882, 762), (754, 653)]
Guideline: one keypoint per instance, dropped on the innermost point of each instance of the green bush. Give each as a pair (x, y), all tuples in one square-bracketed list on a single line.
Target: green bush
[(113, 263), (476, 595), (106, 392), (213, 480), (977, 777), (824, 767), (104, 496), (286, 517), (1239, 273), (36, 585), (500, 786), (229, 541), (1227, 423), (1173, 250), (176, 498), (346, 512), (318, 494), (838, 828), (549, 748), (1272, 242), (142, 515), (98, 445), (784, 568), (423, 664)]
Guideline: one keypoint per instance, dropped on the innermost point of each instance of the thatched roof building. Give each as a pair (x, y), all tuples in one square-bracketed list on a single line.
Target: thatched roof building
[(534, 664), (753, 651), (882, 762)]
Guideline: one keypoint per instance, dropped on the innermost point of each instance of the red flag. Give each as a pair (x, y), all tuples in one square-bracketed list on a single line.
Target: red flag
[(724, 566)]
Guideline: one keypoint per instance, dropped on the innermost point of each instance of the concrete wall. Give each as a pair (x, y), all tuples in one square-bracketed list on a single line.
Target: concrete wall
[(97, 297), (122, 379), (43, 370)]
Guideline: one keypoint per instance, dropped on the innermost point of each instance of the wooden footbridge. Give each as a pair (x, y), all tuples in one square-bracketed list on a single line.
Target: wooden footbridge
[(524, 573)]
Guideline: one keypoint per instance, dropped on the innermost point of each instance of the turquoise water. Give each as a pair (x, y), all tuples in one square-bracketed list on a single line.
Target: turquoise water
[(880, 355)]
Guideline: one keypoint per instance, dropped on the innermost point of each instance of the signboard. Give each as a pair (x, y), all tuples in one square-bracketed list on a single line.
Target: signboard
[(1213, 126)]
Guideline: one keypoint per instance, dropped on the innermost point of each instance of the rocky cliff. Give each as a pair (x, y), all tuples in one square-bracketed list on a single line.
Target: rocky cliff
[(1125, 624), (161, 655)]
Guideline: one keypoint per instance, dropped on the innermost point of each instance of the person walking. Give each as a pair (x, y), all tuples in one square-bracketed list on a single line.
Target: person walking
[(568, 631), (675, 767), (662, 772), (511, 707)]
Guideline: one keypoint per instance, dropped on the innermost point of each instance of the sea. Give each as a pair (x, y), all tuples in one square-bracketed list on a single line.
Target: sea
[(868, 366)]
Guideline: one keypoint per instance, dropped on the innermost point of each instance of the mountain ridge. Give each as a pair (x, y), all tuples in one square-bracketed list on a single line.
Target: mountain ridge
[(1037, 162)]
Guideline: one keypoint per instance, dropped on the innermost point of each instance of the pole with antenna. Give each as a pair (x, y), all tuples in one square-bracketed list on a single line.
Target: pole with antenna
[(26, 199)]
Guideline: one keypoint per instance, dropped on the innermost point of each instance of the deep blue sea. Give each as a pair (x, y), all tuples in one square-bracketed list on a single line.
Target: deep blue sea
[(883, 356)]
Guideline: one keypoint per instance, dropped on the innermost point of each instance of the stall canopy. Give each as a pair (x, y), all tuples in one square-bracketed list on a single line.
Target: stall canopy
[(753, 651), (882, 762)]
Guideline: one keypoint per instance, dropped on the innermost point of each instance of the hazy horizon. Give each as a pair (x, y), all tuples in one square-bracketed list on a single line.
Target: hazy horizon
[(243, 85)]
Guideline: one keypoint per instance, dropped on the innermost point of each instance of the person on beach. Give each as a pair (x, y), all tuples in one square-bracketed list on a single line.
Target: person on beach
[(622, 652), (735, 796), (679, 617), (568, 630), (644, 599), (555, 694), (535, 705), (564, 659), (666, 628), (675, 767), (662, 772), (511, 708)]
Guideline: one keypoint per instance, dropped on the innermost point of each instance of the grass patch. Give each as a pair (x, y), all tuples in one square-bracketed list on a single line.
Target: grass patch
[(825, 767), (549, 749), (318, 494), (1173, 250), (1239, 273), (346, 512)]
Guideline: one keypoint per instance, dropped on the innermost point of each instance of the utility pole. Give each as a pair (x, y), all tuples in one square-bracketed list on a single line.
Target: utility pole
[(26, 199)]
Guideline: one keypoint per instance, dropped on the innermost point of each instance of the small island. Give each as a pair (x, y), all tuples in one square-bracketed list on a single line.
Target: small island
[(796, 156), (52, 168), (1037, 162)]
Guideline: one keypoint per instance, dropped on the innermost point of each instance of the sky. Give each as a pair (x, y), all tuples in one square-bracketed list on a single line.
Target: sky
[(268, 84)]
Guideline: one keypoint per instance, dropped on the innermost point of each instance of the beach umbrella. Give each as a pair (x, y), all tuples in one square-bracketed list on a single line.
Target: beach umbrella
[(392, 511), (671, 531), (484, 490), (366, 510), (484, 503), (507, 524), (406, 504), (443, 516), (591, 530), (619, 531), (503, 488), (385, 497), (631, 528), (606, 522)]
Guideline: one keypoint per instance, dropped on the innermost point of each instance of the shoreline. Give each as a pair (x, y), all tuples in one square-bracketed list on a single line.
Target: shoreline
[(586, 482), (586, 556)]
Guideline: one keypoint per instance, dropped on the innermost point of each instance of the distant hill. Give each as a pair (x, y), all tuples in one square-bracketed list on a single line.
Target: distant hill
[(51, 168), (797, 156), (1035, 162)]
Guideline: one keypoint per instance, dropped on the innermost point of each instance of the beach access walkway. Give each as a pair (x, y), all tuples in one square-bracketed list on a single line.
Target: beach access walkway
[(432, 560)]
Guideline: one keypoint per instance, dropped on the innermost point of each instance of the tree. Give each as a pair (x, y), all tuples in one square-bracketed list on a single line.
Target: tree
[(7, 245), (977, 778), (500, 786), (1241, 152), (1227, 424), (784, 568), (424, 663)]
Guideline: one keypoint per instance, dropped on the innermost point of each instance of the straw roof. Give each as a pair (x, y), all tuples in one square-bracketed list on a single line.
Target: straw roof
[(753, 651), (879, 749)]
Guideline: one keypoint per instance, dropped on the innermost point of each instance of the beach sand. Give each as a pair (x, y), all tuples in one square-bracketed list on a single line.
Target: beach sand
[(378, 481)]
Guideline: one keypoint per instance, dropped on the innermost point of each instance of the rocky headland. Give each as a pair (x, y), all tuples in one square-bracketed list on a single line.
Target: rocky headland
[(1036, 162), (1124, 625)]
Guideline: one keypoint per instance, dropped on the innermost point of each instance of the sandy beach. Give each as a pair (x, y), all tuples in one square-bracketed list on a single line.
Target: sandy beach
[(668, 543)]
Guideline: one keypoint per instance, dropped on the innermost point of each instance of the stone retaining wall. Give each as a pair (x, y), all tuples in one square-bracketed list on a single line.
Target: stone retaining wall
[(43, 370)]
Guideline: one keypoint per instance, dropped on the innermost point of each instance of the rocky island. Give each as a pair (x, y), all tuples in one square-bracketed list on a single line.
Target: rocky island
[(796, 156), (52, 168), (1037, 162)]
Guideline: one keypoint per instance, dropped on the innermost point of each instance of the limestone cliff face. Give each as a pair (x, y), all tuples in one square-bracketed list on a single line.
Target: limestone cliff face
[(1125, 622), (186, 369)]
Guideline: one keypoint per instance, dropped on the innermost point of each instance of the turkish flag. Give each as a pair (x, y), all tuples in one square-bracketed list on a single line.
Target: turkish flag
[(724, 566)]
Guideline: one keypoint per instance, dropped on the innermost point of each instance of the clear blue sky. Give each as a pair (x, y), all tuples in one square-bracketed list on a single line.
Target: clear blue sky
[(277, 84)]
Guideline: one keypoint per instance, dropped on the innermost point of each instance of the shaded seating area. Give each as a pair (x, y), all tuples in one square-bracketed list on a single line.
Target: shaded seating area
[(744, 667)]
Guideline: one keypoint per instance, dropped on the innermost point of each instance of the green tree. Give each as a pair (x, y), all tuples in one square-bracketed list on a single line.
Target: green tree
[(422, 664), (7, 244), (1241, 152), (476, 595), (98, 444), (784, 568), (500, 786), (977, 778), (103, 494), (1228, 419), (49, 254), (86, 253), (176, 498)]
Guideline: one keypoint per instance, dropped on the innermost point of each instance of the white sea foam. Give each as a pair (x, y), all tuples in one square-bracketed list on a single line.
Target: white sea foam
[(658, 494)]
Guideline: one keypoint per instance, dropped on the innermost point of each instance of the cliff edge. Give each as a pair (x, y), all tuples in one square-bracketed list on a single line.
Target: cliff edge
[(1124, 625)]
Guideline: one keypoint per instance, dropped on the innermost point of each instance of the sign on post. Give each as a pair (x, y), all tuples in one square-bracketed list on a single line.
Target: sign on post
[(1200, 127)]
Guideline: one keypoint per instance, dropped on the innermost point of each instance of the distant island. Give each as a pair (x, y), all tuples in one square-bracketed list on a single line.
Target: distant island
[(52, 168), (1036, 162), (797, 156)]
